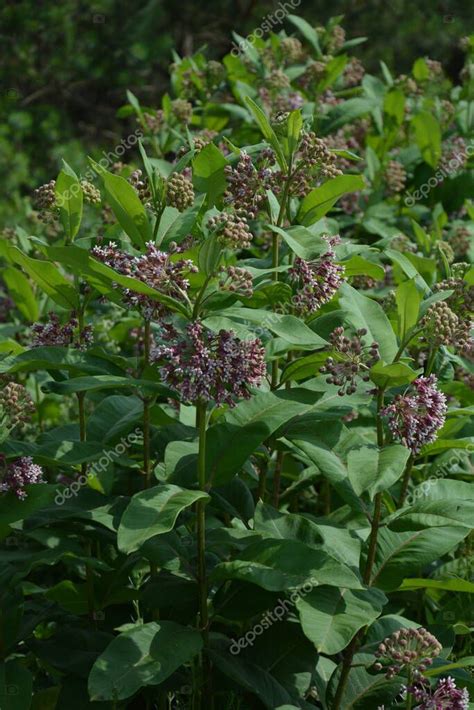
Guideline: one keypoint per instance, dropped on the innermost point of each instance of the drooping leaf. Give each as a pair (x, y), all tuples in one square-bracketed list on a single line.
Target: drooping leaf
[(144, 655)]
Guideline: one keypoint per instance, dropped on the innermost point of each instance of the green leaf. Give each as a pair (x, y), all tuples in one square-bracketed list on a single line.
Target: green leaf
[(402, 554), (408, 300), (208, 173), (69, 198), (320, 200), (16, 685), (153, 512), (394, 105), (178, 228), (330, 617), (254, 678), (357, 265), (145, 655), (428, 136), (95, 383), (304, 367), (408, 268), (364, 312), (295, 124), (278, 565), (394, 375), (290, 328), (308, 32), (451, 584), (304, 243), (432, 514), (48, 278), (126, 206), (21, 292), (374, 470), (267, 131)]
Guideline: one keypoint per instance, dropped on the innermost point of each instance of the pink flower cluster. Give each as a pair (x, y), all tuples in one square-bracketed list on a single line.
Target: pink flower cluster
[(53, 333), (20, 473), (415, 417), (446, 696), (207, 366), (155, 269), (316, 281)]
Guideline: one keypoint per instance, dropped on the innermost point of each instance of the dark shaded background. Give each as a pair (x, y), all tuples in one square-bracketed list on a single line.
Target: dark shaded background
[(65, 66)]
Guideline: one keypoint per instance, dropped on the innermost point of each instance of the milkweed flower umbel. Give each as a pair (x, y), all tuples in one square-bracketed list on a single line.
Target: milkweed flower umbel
[(155, 269), (409, 649), (207, 366), (415, 417), (316, 281), (445, 696), (19, 474)]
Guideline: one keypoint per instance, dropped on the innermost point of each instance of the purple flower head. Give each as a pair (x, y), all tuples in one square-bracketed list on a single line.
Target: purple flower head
[(316, 281), (415, 417), (202, 365), (20, 473), (155, 269), (445, 696), (53, 333)]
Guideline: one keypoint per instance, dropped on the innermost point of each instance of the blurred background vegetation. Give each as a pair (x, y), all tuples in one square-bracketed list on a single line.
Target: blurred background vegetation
[(66, 65)]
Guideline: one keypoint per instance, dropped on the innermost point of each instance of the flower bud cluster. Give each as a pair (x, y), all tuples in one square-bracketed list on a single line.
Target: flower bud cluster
[(237, 280), (16, 405), (90, 192), (247, 184), (19, 474), (415, 417), (441, 326), (182, 110), (45, 197), (352, 359), (461, 301), (154, 121), (292, 50), (354, 72), (412, 650), (140, 183), (179, 192), (395, 177), (231, 230), (460, 240), (206, 366)]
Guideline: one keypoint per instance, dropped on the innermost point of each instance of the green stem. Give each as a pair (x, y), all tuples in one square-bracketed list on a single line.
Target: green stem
[(82, 424), (277, 478), (146, 411), (406, 480), (367, 576), (276, 258), (206, 697), (409, 695)]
